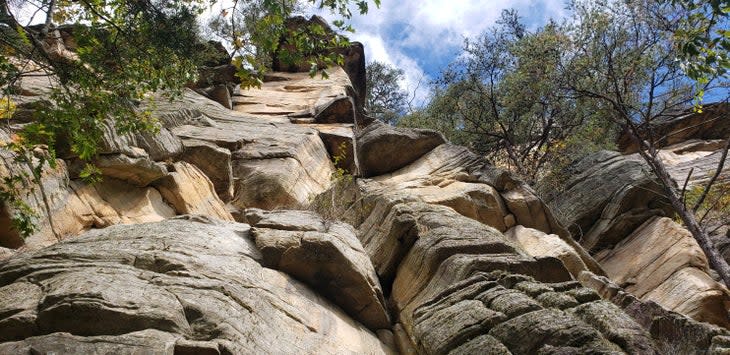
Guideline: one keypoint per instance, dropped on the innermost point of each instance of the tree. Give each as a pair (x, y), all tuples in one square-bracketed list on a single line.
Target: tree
[(504, 98), (384, 99), (622, 57)]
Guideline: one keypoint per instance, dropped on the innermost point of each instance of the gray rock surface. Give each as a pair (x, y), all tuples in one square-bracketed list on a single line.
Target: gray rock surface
[(605, 198), (457, 283), (325, 255), (615, 207), (672, 332), (179, 286), (383, 149)]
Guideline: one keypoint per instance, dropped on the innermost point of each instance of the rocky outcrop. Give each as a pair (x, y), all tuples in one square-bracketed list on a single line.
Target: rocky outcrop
[(457, 283), (672, 332), (426, 249), (287, 163), (614, 207), (606, 197), (324, 254), (180, 286), (382, 148), (661, 262)]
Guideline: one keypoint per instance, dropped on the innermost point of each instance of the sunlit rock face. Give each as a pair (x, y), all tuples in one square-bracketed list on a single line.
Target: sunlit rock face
[(349, 237), (188, 284), (614, 206)]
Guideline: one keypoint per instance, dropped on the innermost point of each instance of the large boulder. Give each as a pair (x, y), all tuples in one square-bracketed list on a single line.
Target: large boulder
[(324, 254), (189, 191), (606, 197), (180, 286), (383, 149)]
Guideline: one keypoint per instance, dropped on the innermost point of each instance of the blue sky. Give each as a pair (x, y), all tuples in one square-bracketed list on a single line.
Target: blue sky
[(423, 36)]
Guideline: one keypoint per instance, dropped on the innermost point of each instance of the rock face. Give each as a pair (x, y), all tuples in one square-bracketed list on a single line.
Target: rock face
[(425, 248), (382, 148), (617, 205), (679, 127), (606, 197), (457, 283), (324, 254), (661, 262), (672, 332), (179, 286)]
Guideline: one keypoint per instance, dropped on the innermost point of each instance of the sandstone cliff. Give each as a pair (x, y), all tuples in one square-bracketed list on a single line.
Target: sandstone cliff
[(231, 231)]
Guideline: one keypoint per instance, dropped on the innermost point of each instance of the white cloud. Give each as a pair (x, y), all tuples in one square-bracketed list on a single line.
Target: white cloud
[(414, 35)]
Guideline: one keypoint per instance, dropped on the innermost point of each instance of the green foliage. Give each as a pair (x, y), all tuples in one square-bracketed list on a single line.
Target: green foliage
[(506, 98), (703, 40), (256, 28), (384, 98), (341, 174), (714, 210)]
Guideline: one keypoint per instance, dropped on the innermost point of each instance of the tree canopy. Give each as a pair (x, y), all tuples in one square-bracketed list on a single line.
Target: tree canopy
[(384, 98)]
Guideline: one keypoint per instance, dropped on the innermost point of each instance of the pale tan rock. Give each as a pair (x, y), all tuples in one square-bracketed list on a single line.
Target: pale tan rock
[(661, 262), (293, 93), (693, 292), (214, 162), (191, 192), (480, 202), (138, 170), (134, 204), (275, 164), (537, 243), (527, 208)]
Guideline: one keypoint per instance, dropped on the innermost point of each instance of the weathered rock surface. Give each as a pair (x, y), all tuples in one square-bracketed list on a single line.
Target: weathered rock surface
[(382, 148), (616, 204), (298, 95), (606, 197), (457, 283), (661, 262), (672, 332), (327, 256), (539, 244), (447, 255), (288, 164), (178, 286), (138, 170), (189, 191), (214, 162)]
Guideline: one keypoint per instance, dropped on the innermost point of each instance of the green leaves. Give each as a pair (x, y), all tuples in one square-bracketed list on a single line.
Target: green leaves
[(703, 42)]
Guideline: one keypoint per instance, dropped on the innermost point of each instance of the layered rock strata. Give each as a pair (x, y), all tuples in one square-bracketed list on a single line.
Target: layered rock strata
[(615, 208)]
